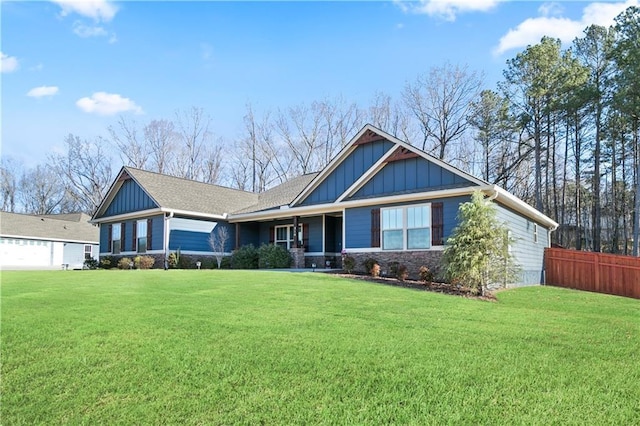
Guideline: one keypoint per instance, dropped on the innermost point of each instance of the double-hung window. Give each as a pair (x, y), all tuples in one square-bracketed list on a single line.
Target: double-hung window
[(141, 236), (418, 231), (406, 228), (116, 242), (88, 252), (392, 225)]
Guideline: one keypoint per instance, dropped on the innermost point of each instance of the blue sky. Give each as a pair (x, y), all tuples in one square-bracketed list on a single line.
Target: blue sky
[(76, 66)]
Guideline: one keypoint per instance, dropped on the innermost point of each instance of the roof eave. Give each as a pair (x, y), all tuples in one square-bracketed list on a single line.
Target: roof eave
[(287, 211)]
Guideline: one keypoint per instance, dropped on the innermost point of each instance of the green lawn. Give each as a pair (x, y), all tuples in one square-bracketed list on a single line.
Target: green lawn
[(247, 347)]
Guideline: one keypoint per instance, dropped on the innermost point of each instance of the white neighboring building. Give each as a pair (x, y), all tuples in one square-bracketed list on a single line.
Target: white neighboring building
[(46, 242)]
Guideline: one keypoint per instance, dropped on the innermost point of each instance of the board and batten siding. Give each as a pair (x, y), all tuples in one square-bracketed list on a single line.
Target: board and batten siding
[(358, 220), (130, 198), (350, 170), (528, 254), (410, 175)]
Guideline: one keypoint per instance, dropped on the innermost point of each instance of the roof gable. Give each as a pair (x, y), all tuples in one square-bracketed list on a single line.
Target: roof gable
[(128, 198), (365, 152), (171, 193), (319, 190), (406, 172)]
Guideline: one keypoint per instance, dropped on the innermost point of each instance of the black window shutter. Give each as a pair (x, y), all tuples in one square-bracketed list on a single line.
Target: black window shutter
[(437, 224), (149, 228), (109, 237), (134, 235), (375, 227), (272, 234), (122, 242)]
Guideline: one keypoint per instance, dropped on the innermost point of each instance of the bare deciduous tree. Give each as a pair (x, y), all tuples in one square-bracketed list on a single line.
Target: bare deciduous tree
[(42, 191), (87, 169), (9, 172), (218, 242), (194, 135), (440, 101), (160, 136), (133, 150)]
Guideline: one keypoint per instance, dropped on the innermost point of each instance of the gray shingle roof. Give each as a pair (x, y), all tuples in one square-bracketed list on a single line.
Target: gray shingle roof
[(280, 195), (188, 195), (48, 228)]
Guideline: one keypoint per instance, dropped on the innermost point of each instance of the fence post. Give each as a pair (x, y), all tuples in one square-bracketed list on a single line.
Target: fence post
[(596, 272)]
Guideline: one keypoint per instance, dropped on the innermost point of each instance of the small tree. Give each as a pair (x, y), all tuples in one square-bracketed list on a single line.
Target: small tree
[(218, 241), (477, 253)]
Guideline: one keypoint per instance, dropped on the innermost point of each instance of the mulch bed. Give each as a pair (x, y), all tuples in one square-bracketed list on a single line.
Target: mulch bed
[(453, 290)]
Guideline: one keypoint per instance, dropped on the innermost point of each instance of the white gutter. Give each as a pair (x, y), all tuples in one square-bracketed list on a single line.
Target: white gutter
[(143, 213), (57, 240), (507, 199)]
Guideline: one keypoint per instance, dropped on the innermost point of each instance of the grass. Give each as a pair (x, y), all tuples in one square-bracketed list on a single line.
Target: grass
[(245, 347)]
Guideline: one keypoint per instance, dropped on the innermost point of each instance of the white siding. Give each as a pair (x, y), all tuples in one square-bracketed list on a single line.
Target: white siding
[(17, 253)]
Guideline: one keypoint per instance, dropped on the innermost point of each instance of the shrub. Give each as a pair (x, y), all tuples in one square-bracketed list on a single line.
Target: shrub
[(106, 262), (402, 273), (225, 263), (90, 263), (144, 262), (174, 259), (124, 263), (393, 269), (246, 257), (372, 267), (426, 275), (273, 256), (348, 264), (477, 251), (186, 263)]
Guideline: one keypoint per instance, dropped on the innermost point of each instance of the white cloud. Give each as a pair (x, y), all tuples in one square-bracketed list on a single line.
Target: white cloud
[(8, 63), (103, 103), (86, 31), (42, 91), (553, 25), (532, 30), (98, 10), (447, 9), (551, 9)]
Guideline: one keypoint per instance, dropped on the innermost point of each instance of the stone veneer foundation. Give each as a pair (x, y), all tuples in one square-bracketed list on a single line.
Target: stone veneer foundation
[(413, 260)]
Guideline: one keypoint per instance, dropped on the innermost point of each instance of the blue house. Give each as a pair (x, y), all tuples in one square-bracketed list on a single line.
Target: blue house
[(378, 198)]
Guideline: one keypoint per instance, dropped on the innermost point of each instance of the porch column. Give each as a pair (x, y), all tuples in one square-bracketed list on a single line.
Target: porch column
[(295, 231)]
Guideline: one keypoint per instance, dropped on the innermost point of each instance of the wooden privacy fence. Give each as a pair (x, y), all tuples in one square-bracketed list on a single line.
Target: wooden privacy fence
[(598, 272)]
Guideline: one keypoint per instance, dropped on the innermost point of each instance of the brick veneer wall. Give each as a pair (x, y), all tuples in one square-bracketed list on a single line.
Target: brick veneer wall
[(413, 260)]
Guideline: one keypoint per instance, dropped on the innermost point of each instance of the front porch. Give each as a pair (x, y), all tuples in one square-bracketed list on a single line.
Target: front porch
[(311, 240)]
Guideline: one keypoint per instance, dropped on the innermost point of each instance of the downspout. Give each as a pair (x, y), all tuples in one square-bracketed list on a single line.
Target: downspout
[(494, 194), (167, 218)]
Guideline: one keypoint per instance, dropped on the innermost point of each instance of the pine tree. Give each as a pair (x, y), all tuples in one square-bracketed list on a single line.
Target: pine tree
[(477, 252)]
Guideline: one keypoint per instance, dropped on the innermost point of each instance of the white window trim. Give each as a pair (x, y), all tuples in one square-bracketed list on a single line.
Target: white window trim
[(289, 232), (405, 236), (115, 236), (139, 236)]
